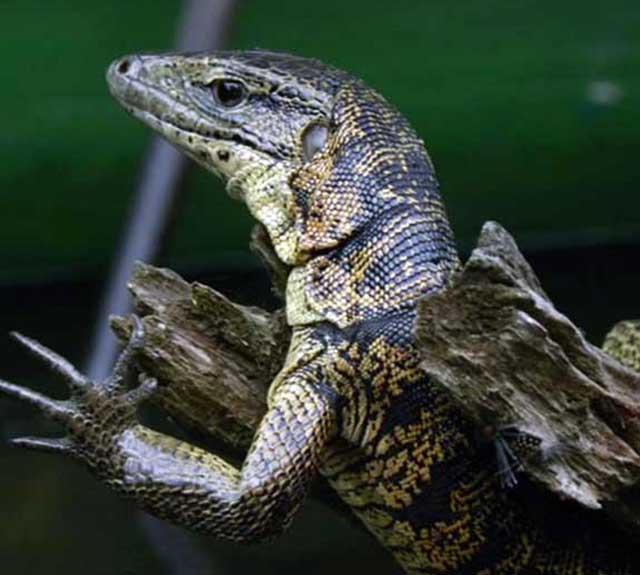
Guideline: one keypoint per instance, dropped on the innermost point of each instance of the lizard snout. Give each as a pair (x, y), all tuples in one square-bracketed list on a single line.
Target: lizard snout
[(121, 72)]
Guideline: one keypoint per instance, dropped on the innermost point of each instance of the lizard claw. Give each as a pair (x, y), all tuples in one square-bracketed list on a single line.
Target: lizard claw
[(58, 364), (59, 411), (125, 365), (144, 391), (514, 449), (508, 463), (96, 414), (50, 445)]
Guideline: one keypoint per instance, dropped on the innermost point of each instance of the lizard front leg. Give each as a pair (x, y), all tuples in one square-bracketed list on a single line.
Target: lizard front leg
[(178, 481)]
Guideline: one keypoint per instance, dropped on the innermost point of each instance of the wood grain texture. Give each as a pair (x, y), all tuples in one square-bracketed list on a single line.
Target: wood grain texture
[(213, 359)]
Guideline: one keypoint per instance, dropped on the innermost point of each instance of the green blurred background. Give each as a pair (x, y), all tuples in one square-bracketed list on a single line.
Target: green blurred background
[(531, 112)]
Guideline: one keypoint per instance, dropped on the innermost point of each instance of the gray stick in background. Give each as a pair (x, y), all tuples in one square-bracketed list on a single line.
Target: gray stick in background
[(205, 26)]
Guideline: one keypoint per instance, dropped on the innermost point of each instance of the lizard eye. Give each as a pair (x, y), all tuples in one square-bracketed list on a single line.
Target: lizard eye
[(228, 93)]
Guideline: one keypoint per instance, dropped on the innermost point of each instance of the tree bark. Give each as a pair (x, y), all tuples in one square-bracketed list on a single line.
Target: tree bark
[(213, 359)]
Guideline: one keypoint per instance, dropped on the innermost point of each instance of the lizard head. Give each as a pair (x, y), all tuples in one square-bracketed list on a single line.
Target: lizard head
[(253, 118), (340, 181)]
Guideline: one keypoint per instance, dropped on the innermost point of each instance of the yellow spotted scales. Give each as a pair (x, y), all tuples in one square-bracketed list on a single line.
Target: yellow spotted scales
[(349, 198)]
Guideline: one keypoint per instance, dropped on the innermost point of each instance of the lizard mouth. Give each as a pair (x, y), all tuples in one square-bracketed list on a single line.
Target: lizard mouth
[(175, 121)]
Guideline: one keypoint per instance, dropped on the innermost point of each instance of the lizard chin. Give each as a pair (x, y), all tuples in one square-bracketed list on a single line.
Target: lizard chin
[(253, 178), (213, 155)]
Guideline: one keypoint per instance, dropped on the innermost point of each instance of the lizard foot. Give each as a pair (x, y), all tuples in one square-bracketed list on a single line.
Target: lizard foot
[(96, 414), (514, 448)]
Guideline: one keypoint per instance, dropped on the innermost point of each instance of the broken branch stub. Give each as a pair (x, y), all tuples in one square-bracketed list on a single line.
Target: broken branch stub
[(496, 342), (213, 359)]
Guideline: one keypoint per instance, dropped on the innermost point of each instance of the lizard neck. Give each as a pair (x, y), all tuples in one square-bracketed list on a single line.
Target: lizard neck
[(373, 230), (394, 260)]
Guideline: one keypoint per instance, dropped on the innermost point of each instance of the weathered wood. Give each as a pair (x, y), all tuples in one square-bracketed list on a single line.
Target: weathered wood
[(495, 340), (213, 359)]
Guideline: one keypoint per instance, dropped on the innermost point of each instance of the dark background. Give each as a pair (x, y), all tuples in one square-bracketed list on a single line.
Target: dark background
[(531, 112)]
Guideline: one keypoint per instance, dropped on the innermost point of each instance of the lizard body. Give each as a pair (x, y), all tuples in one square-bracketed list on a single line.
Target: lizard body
[(349, 198)]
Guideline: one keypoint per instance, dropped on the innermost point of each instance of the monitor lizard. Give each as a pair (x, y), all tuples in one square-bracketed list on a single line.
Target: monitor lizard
[(350, 200)]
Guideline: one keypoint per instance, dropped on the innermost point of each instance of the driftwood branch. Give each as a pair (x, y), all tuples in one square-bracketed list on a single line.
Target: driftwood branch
[(492, 338), (513, 361), (213, 359)]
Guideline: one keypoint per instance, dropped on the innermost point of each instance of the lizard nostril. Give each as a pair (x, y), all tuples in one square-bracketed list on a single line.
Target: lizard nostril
[(123, 67)]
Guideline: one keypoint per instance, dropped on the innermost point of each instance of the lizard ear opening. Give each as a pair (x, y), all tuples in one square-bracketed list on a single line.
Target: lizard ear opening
[(314, 138)]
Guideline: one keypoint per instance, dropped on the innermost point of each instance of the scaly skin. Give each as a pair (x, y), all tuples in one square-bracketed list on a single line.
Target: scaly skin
[(623, 343), (349, 198)]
